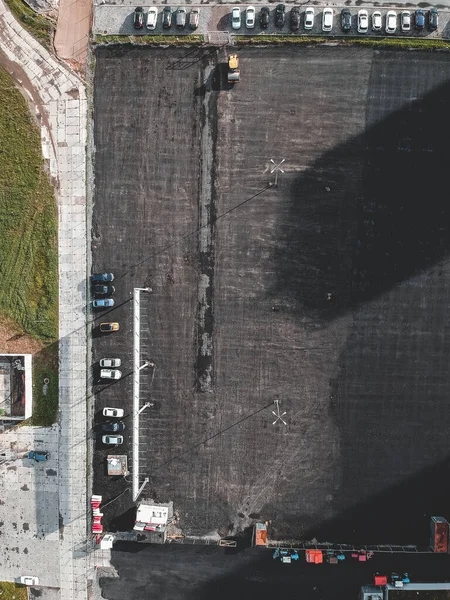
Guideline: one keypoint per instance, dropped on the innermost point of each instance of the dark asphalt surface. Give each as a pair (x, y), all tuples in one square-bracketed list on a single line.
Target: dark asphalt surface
[(361, 213), (200, 573)]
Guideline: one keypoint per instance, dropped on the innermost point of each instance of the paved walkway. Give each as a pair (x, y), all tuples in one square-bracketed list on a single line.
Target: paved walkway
[(62, 100)]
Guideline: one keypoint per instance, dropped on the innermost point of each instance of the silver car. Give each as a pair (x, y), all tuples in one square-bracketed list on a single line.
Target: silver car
[(309, 18), (110, 374), (363, 21), (376, 21), (112, 440), (236, 18), (110, 363), (327, 19), (180, 17), (391, 21), (405, 20)]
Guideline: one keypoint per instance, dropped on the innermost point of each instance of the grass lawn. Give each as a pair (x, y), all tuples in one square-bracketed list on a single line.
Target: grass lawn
[(28, 243), (28, 224), (40, 28), (45, 406), (12, 591)]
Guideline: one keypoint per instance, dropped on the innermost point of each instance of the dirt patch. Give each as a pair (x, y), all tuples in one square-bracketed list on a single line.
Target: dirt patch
[(14, 341), (72, 32)]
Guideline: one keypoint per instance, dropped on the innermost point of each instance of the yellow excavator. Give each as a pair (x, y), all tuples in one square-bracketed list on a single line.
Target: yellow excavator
[(234, 74)]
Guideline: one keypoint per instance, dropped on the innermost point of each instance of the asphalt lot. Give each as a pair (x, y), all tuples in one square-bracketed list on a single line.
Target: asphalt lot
[(118, 20), (328, 293), (193, 572)]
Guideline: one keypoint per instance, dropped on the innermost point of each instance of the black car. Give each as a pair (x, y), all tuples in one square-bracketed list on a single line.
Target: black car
[(346, 20), (419, 19), (113, 427), (433, 19), (167, 17), (280, 15), (295, 18), (264, 17), (104, 290), (138, 17)]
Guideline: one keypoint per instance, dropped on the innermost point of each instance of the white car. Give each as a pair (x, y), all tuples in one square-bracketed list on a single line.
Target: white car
[(152, 17), (110, 363), (376, 21), (110, 374), (236, 18), (309, 18), (327, 19), (405, 20), (391, 21), (112, 440), (250, 17), (363, 21), (116, 413), (29, 580)]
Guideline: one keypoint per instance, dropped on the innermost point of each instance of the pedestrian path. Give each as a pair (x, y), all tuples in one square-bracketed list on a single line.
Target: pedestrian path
[(61, 97)]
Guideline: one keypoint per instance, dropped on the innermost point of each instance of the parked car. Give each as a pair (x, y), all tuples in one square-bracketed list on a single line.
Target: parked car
[(363, 21), (112, 440), (107, 327), (103, 277), (280, 15), (433, 19), (405, 21), (180, 17), (236, 18), (110, 363), (37, 455), (376, 21), (138, 18), (152, 17), (309, 18), (250, 17), (391, 21), (167, 17), (346, 20), (194, 17), (264, 17), (113, 427), (327, 19), (103, 303), (295, 18), (419, 19), (104, 290), (110, 374), (116, 413), (29, 580)]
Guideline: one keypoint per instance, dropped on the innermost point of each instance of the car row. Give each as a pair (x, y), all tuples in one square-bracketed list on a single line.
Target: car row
[(180, 16), (362, 19), (99, 281), (102, 286), (114, 428)]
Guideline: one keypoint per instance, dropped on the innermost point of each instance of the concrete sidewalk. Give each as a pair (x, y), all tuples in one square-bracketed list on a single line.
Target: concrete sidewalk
[(61, 99)]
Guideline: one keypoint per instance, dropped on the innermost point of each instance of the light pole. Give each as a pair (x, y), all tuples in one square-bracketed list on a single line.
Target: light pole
[(275, 170)]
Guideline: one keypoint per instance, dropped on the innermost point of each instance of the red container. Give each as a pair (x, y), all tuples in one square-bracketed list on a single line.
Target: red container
[(439, 534)]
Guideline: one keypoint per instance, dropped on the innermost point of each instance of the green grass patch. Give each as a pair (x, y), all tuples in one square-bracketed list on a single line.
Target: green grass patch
[(263, 40), (406, 43), (45, 406), (28, 223), (41, 29), (12, 591), (171, 40)]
